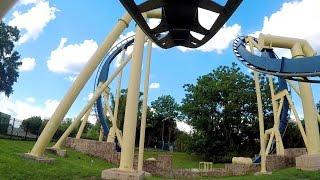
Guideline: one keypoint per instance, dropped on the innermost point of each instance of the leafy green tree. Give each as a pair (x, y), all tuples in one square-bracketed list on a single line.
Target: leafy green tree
[(61, 129), (292, 137), (93, 131), (9, 59), (222, 109), (64, 126), (165, 110), (122, 107), (182, 142), (165, 106), (32, 124), (318, 106)]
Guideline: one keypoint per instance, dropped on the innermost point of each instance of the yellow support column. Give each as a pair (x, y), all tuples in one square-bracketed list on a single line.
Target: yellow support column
[(130, 118), (112, 132), (260, 116), (144, 108), (90, 103), (261, 123), (310, 116), (276, 118), (83, 124), (5, 6), (101, 134), (65, 104), (279, 144)]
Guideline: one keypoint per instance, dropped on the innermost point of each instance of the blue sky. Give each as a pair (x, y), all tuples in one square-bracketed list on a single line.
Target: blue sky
[(59, 36)]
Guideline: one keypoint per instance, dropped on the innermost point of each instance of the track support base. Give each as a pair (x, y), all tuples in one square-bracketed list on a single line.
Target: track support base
[(308, 162), (42, 159), (58, 152), (115, 173)]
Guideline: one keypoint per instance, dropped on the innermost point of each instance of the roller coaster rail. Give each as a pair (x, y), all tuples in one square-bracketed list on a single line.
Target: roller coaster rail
[(298, 70)]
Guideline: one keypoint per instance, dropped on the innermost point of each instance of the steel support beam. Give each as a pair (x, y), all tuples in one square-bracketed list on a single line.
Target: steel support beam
[(96, 94), (5, 6), (145, 107), (130, 118), (65, 104)]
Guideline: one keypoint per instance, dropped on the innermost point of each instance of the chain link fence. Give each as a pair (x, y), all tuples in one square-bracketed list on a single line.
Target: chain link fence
[(12, 128)]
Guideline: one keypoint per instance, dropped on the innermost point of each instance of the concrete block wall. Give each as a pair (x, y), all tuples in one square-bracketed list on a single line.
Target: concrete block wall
[(163, 165)]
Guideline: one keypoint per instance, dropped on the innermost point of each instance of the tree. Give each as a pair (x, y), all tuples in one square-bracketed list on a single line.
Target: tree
[(222, 109), (61, 129), (9, 59), (166, 110), (292, 137), (165, 106), (122, 107), (182, 142), (318, 106), (93, 131), (32, 124)]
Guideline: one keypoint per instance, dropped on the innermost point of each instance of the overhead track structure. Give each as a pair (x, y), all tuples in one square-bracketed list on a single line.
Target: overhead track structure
[(258, 55), (299, 70), (179, 19)]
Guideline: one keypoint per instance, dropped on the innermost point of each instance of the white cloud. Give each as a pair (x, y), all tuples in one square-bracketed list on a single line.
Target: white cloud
[(26, 2), (182, 126), (296, 19), (71, 58), (31, 100), (90, 95), (92, 117), (128, 50), (21, 109), (72, 78), (154, 85), (220, 41), (34, 20), (28, 64)]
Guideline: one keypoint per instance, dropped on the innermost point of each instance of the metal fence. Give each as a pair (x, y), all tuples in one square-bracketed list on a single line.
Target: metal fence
[(12, 128)]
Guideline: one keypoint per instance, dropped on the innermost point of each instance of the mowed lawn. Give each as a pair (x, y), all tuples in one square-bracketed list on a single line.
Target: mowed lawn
[(75, 166), (284, 174), (80, 166), (179, 159)]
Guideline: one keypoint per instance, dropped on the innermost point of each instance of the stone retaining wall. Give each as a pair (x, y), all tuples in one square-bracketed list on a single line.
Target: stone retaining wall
[(162, 166), (241, 169), (94, 148), (292, 153), (275, 162)]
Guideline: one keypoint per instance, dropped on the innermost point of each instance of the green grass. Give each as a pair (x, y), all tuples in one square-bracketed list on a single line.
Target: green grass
[(81, 166), (180, 159), (75, 166), (284, 174), (289, 173)]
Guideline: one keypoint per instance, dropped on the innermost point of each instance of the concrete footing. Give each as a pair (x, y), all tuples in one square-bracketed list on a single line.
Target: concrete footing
[(308, 162), (115, 173), (58, 152), (41, 159)]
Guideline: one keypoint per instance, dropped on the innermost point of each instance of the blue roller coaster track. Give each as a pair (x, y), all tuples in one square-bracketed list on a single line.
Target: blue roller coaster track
[(102, 76)]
